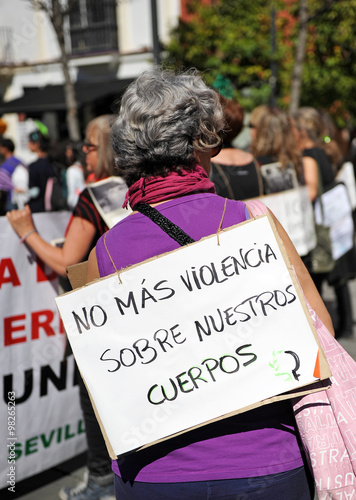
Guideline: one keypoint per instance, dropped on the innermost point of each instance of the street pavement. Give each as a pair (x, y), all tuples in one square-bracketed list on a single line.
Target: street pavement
[(50, 491)]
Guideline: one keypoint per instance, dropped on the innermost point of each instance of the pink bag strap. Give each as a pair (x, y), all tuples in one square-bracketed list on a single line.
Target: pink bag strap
[(48, 194), (256, 207)]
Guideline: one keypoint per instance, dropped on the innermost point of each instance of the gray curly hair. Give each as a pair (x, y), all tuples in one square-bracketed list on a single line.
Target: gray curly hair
[(163, 121)]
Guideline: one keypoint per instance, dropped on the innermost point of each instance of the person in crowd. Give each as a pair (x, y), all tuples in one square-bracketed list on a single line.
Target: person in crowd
[(331, 144), (4, 192), (352, 147), (75, 173), (5, 188), (40, 170), (5, 184), (276, 151), (308, 130), (254, 119), (318, 166), (83, 231), (17, 173), (164, 136), (3, 128), (85, 225), (234, 172)]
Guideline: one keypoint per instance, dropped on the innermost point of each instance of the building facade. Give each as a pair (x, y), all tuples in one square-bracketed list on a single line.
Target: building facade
[(108, 44)]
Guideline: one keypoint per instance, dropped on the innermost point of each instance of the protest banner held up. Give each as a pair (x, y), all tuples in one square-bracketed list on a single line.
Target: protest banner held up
[(193, 335), (40, 415)]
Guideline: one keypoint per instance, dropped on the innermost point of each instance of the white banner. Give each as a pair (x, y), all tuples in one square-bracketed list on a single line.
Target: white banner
[(40, 417), (294, 211), (347, 175), (336, 213), (190, 336)]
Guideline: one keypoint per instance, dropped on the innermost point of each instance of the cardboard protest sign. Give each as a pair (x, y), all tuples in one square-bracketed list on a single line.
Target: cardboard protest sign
[(193, 335)]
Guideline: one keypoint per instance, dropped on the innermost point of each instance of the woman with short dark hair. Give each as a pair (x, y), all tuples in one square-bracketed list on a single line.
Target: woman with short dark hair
[(164, 136), (234, 172)]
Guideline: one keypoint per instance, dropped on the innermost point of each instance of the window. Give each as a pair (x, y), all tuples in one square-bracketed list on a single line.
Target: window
[(93, 26), (6, 48)]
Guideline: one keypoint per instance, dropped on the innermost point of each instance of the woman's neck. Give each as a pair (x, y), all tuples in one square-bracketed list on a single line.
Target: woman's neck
[(308, 144)]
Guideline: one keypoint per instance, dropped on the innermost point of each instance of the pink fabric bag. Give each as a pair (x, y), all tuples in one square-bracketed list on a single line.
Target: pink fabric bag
[(327, 422), (327, 419)]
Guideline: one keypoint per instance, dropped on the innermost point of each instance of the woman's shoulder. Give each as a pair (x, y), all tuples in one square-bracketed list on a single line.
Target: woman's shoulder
[(85, 205), (233, 157), (313, 152), (318, 155)]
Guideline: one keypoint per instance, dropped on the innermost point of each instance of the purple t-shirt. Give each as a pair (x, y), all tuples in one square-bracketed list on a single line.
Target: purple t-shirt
[(10, 164), (255, 443)]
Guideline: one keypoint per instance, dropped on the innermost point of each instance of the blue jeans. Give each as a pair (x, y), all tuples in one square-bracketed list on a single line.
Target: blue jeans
[(291, 485)]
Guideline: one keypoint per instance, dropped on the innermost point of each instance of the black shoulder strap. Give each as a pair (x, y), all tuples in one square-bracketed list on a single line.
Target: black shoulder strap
[(165, 224), (225, 179)]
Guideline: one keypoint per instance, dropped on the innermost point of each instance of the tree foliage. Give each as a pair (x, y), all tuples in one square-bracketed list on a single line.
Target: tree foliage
[(229, 38), (233, 38), (57, 12), (329, 76)]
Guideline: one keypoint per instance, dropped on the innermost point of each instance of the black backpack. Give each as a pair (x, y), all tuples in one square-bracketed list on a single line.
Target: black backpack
[(56, 189)]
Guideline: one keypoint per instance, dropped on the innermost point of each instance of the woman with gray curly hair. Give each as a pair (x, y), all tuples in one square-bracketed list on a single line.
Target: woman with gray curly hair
[(164, 136), (155, 134)]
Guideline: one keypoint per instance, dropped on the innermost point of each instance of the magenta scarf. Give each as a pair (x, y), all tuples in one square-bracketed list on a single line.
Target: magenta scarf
[(156, 189)]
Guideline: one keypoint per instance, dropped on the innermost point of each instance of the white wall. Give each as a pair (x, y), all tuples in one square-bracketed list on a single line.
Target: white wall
[(168, 14), (135, 25), (33, 39)]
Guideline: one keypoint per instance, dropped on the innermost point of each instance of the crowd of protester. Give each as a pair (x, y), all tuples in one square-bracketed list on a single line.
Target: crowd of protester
[(286, 152)]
